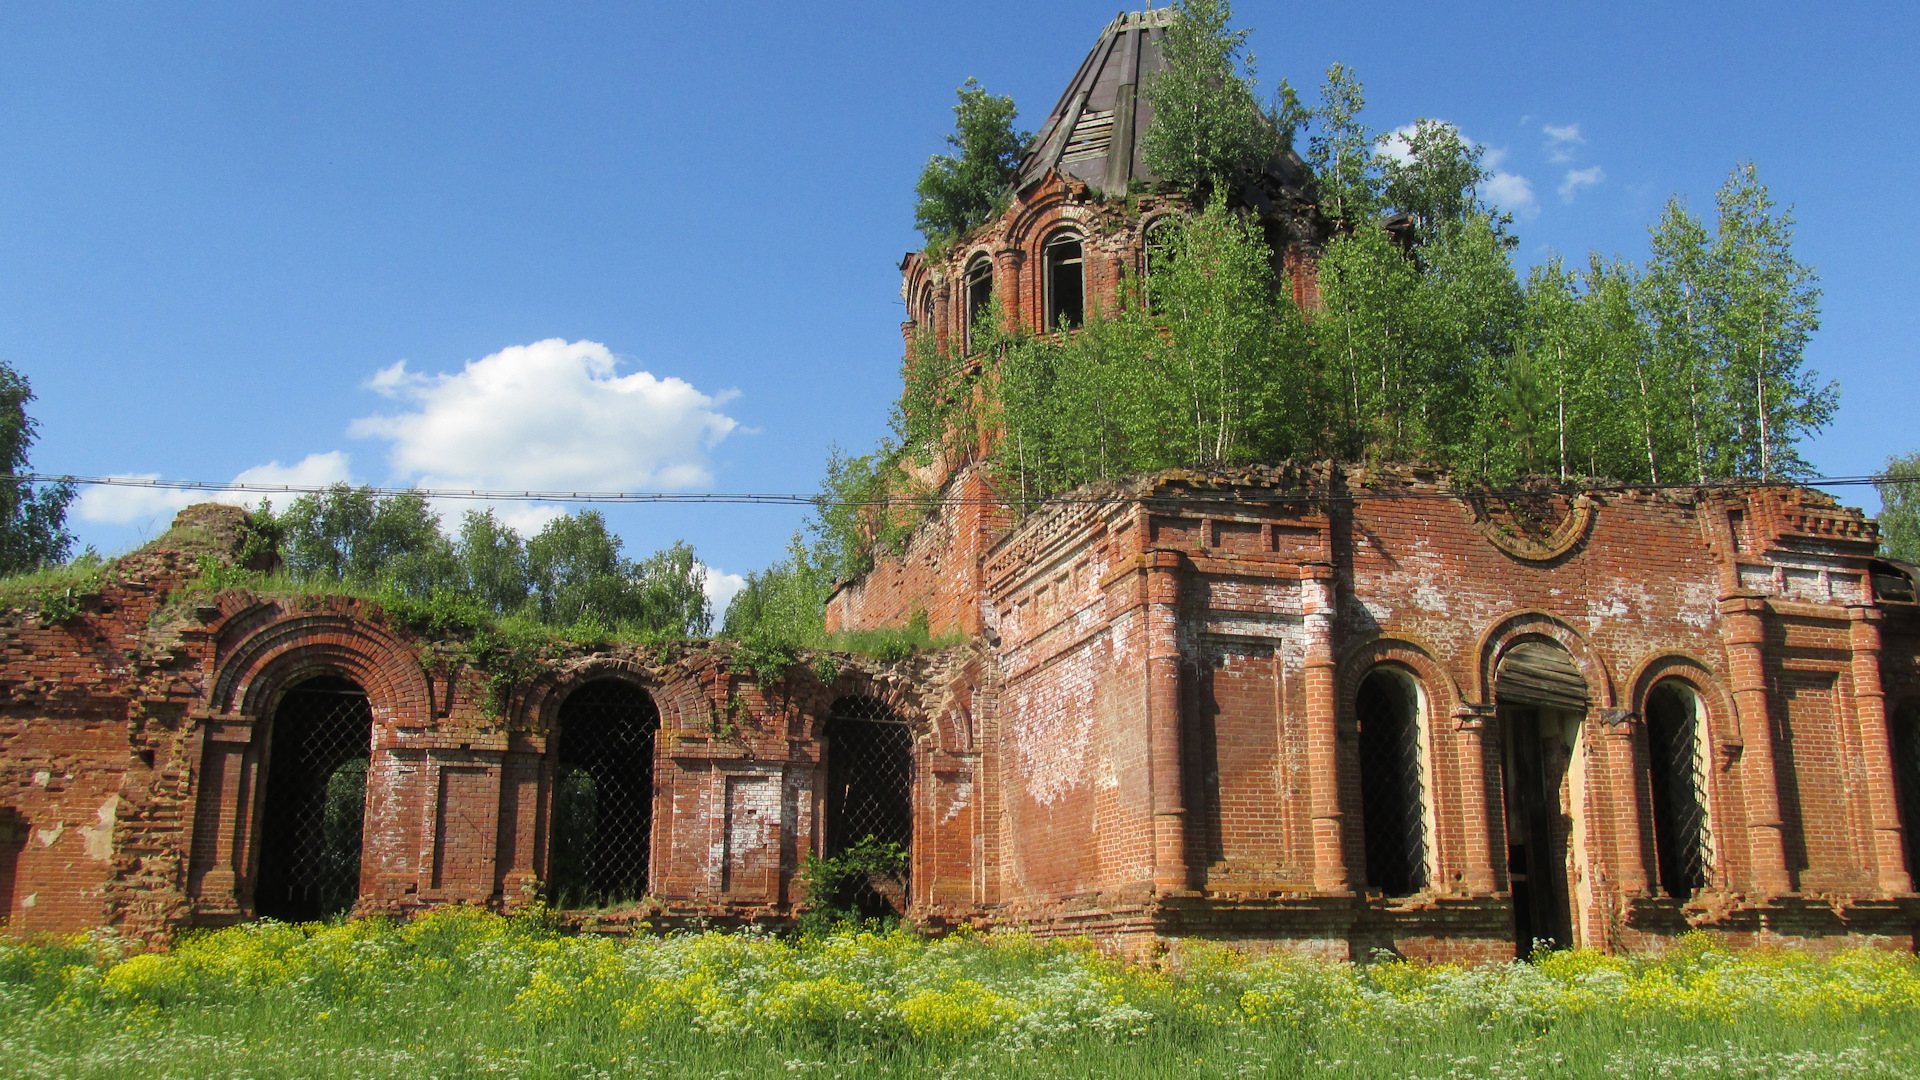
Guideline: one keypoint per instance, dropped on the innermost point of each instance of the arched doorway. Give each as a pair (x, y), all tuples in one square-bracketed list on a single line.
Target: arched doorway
[(602, 818), (320, 740), (1677, 775), (869, 795), (1392, 781), (1906, 779), (1542, 700)]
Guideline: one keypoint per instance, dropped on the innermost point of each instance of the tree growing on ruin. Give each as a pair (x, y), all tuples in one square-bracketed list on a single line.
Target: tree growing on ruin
[(958, 191), (1208, 126), (33, 517), (1900, 507)]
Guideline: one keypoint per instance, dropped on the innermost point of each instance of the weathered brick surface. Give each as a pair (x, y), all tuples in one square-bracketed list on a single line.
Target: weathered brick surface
[(1154, 734), (1274, 609)]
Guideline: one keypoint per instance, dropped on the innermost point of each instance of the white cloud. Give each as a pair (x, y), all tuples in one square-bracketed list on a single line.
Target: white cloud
[(112, 505), (721, 589), (314, 470), (1396, 145), (1508, 191), (1561, 141), (548, 416), (1512, 193), (1579, 178)]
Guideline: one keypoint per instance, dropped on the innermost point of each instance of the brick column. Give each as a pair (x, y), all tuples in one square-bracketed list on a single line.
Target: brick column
[(1477, 804), (1323, 734), (1008, 286), (1744, 631), (1623, 733), (1163, 721), (1876, 748)]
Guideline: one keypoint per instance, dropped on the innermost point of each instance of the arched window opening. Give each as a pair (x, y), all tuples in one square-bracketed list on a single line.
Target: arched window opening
[(926, 307), (1541, 698), (321, 736), (1906, 778), (979, 296), (1066, 283), (1392, 782), (13, 839), (603, 795), (1677, 762), (869, 795), (1159, 251)]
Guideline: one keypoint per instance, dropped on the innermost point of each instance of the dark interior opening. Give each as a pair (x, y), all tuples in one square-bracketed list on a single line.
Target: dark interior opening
[(1677, 768), (13, 840), (979, 295), (1066, 284), (869, 794), (1541, 698), (1391, 786), (602, 823), (320, 736), (1906, 778)]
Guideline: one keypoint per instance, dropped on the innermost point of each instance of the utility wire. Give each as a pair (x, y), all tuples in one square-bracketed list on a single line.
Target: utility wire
[(1241, 494)]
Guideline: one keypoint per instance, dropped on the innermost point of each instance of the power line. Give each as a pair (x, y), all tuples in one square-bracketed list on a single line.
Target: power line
[(1235, 493)]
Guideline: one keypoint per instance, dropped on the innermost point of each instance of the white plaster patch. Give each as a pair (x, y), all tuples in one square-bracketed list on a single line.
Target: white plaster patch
[(41, 778), (962, 797), (30, 900), (99, 838), (1699, 601), (49, 836)]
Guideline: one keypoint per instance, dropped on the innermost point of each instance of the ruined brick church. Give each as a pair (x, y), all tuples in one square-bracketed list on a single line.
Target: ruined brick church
[(1322, 708)]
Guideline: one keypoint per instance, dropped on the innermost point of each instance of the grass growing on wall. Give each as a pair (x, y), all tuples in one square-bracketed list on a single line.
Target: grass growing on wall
[(464, 994)]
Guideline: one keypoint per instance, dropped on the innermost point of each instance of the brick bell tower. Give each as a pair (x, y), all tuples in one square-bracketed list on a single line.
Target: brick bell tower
[(1085, 206), (1083, 214)]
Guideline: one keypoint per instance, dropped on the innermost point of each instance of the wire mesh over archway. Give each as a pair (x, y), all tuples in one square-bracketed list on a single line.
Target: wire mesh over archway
[(1677, 760), (603, 795), (319, 740), (1392, 787), (869, 793)]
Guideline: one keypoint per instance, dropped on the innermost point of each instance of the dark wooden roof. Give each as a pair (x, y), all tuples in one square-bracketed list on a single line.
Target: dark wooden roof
[(1093, 132)]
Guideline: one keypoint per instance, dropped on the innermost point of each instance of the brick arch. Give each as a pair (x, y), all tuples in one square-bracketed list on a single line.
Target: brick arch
[(1443, 693), (262, 648), (894, 695), (1688, 668), (1538, 626), (540, 705)]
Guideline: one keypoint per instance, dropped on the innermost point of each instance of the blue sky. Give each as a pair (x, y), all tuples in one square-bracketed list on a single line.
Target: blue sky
[(653, 246)]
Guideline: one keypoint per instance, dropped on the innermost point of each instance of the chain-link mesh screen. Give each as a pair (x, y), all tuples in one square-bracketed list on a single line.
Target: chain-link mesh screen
[(603, 795), (1392, 789), (321, 735), (1677, 761), (870, 793), (1906, 776)]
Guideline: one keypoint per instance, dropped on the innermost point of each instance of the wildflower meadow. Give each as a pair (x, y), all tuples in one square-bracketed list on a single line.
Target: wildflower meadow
[(462, 993)]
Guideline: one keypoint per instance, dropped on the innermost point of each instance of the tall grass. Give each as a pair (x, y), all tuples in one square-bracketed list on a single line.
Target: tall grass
[(464, 994)]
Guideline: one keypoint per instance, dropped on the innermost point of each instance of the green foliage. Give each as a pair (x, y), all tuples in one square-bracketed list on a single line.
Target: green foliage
[(831, 882), (1900, 508), (1341, 151), (958, 191), (459, 992), (570, 574), (1212, 373), (1208, 127), (33, 517)]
